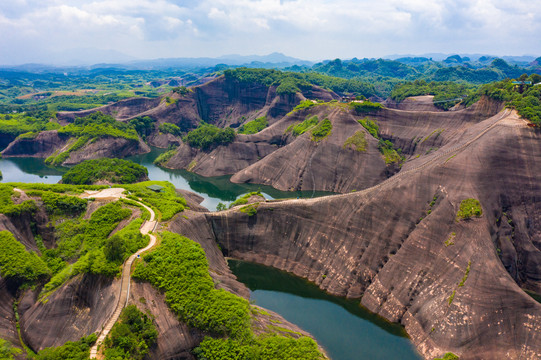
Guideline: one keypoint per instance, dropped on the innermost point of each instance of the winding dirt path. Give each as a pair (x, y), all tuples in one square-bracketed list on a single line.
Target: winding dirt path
[(145, 229)]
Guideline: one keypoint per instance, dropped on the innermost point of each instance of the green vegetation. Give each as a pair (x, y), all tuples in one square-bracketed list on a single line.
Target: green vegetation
[(116, 171), (449, 241), (181, 90), (465, 277), (168, 202), (82, 245), (8, 207), (207, 136), (143, 125), (178, 266), (254, 126), (365, 107), (371, 126), (448, 356), (131, 337), (57, 159), (250, 209), (72, 350), (244, 198), (17, 265), (163, 158), (446, 93), (300, 128), (386, 147), (99, 125), (526, 99), (358, 141), (13, 125), (57, 204), (321, 130), (292, 82), (263, 348), (305, 104), (469, 208), (168, 128), (390, 155), (7, 351)]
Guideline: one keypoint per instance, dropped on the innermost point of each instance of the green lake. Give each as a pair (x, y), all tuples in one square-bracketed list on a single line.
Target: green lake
[(342, 327)]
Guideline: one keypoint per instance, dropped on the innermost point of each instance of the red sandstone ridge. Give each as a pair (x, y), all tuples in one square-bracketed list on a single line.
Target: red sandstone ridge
[(454, 285)]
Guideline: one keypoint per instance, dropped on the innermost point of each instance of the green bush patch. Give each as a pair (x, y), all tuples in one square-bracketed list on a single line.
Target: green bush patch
[(117, 171), (207, 136), (322, 130), (250, 210), (254, 126), (73, 350), (131, 337), (18, 265), (365, 107), (178, 266), (468, 209), (357, 141)]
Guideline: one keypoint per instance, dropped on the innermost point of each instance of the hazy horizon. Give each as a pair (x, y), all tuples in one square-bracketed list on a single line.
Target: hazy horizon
[(60, 32)]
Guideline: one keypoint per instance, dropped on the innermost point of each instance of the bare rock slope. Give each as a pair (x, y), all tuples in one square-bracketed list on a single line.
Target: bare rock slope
[(454, 285)]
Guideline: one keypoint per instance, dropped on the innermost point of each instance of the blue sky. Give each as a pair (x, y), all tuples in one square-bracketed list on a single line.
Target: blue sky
[(56, 31)]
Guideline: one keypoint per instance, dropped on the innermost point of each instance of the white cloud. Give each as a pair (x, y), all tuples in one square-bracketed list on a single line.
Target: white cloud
[(303, 28)]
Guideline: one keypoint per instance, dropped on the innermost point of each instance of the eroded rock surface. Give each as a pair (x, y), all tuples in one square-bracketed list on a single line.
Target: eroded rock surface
[(446, 281)]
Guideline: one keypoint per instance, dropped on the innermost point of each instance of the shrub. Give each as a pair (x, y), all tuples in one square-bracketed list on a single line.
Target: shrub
[(131, 337), (321, 130), (207, 136), (78, 350), (250, 209), (7, 351), (301, 128), (163, 158), (358, 141), (178, 266), (99, 125), (254, 126), (111, 170), (62, 204), (244, 198), (18, 265), (371, 126), (263, 348), (365, 106), (469, 208), (168, 128)]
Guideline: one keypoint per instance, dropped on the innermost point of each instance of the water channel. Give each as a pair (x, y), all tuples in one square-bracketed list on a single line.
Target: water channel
[(343, 328)]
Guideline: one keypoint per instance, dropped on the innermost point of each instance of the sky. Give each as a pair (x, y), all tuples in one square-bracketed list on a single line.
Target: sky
[(54, 31)]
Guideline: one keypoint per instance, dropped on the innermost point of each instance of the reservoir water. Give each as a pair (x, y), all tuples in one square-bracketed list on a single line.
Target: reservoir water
[(342, 327)]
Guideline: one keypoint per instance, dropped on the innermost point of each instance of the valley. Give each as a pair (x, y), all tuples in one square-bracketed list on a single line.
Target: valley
[(398, 210)]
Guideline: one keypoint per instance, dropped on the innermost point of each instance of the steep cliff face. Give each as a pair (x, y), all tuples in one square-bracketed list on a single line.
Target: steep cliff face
[(79, 308), (107, 147), (276, 158), (48, 143), (43, 145), (446, 281)]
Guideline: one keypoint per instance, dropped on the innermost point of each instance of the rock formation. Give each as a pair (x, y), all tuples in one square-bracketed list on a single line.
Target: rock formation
[(454, 285)]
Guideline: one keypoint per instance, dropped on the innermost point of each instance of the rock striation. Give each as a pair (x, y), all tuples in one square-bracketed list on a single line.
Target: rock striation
[(454, 285)]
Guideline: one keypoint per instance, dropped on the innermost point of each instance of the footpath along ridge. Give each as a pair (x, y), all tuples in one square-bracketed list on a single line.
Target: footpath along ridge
[(146, 228)]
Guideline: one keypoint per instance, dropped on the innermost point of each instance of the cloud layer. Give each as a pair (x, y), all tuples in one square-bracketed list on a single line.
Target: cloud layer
[(36, 30)]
